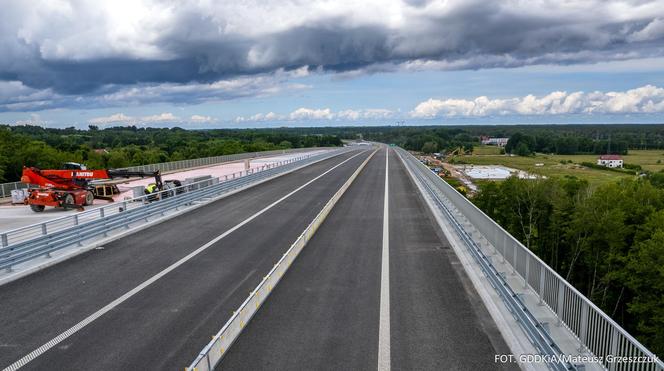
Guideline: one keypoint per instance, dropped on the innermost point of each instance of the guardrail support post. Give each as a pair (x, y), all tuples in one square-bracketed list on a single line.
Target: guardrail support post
[(614, 346), (513, 258), (3, 240), (124, 208), (559, 307), (495, 240), (583, 333), (541, 285), (525, 279), (504, 248), (78, 232), (43, 228)]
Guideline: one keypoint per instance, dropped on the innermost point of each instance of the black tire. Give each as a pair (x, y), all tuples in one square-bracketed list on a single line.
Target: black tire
[(37, 208), (89, 198), (69, 201)]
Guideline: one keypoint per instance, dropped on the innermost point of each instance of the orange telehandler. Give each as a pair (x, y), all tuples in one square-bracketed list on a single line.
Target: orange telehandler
[(69, 187)]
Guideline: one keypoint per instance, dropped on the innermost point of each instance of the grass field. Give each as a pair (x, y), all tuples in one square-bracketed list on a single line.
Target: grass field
[(552, 166)]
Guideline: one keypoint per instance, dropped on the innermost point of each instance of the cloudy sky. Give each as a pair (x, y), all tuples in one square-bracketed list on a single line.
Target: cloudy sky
[(250, 63)]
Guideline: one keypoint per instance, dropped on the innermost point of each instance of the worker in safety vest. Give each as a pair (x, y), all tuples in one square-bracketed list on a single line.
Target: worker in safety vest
[(150, 190)]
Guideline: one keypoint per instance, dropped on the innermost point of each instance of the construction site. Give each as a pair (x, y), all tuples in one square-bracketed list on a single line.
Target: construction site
[(46, 194)]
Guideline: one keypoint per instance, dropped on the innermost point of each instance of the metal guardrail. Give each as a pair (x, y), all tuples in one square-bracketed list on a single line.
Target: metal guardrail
[(41, 239), (214, 351), (536, 333), (6, 188), (594, 330), (208, 161)]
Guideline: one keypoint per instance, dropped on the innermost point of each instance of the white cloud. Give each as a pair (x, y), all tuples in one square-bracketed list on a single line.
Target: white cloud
[(162, 117), (311, 114), (202, 119), (646, 99), (369, 113), (654, 30), (305, 114), (34, 119), (121, 118), (112, 119)]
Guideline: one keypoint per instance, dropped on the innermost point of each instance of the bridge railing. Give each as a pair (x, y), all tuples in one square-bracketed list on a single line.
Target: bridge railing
[(6, 188), (208, 161), (595, 331), (26, 243)]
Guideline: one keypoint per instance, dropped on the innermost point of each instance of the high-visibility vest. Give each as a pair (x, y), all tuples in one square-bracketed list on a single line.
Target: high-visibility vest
[(150, 188)]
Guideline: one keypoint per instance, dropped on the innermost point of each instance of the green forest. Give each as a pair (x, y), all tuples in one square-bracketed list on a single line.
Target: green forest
[(607, 241), (127, 146), (557, 139)]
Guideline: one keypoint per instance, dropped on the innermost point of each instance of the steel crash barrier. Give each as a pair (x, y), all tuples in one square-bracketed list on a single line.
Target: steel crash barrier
[(595, 331), (26, 243), (210, 356), (165, 167)]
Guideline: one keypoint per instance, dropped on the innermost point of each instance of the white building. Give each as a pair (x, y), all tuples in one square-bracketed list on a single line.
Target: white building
[(500, 142), (610, 161)]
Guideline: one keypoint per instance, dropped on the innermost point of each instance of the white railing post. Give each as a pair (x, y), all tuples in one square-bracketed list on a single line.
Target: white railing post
[(542, 277), (514, 257), (561, 298), (525, 279), (614, 346), (504, 248), (583, 331)]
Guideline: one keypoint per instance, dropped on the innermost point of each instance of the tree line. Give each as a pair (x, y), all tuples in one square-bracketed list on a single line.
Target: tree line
[(117, 147), (607, 241), (557, 139)]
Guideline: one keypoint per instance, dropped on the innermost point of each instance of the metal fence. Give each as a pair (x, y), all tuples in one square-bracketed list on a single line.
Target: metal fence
[(26, 243), (7, 188), (208, 161), (164, 167), (594, 330), (212, 353)]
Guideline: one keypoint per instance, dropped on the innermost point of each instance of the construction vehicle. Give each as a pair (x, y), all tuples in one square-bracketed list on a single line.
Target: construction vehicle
[(69, 188), (451, 155)]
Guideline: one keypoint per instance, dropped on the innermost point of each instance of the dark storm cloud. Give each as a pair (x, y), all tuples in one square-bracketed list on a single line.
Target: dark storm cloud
[(82, 48)]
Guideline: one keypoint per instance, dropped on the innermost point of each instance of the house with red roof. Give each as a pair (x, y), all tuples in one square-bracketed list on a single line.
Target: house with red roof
[(610, 161)]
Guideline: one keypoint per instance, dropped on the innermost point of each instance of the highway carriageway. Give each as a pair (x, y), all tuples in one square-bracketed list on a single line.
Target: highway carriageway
[(367, 292)]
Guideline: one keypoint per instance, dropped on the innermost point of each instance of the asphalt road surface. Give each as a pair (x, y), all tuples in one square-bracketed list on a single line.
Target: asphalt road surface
[(325, 313), (145, 315), (366, 291)]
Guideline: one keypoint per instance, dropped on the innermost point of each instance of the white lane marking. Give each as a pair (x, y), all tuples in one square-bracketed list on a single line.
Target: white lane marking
[(384, 327), (56, 340)]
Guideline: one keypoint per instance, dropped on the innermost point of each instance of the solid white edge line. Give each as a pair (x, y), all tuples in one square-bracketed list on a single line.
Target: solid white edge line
[(74, 329), (384, 327)]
